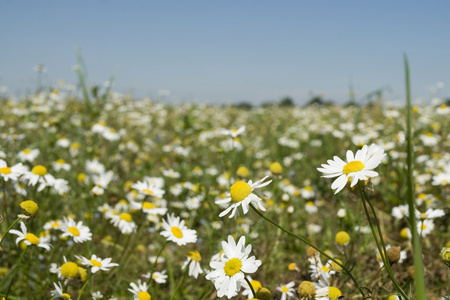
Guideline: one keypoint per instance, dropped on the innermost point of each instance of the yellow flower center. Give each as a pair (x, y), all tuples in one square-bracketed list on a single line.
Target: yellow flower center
[(29, 207), (392, 297), (148, 205), (256, 285), (276, 168), (310, 203), (233, 266), (334, 293), (239, 191), (66, 296), (306, 288), (81, 177), (147, 191), (95, 263), (126, 216), (242, 172), (26, 151), (284, 289), (61, 161), (39, 170), (5, 170), (75, 145), (32, 239), (292, 266), (335, 266), (142, 295), (74, 231), (70, 269), (342, 238), (194, 255), (177, 232), (353, 166), (325, 269), (308, 188)]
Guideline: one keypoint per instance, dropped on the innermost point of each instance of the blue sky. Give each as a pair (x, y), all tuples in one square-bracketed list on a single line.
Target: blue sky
[(229, 51)]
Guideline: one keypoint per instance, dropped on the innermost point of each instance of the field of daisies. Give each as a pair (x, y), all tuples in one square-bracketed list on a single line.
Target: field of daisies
[(114, 198)]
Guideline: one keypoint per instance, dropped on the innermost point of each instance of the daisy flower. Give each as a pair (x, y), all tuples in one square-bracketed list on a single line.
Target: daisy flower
[(58, 292), (124, 222), (357, 167), (158, 277), (233, 132), (96, 263), (194, 258), (140, 291), (149, 208), (61, 164), (29, 238), (429, 214), (77, 231), (147, 188), (38, 172), (425, 227), (287, 290), (241, 194), (13, 172), (28, 154), (256, 285), (228, 273), (177, 232)]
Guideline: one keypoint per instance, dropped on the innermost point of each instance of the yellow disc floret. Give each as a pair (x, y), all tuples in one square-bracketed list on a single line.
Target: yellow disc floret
[(148, 205), (194, 255), (70, 269), (143, 295), (39, 170), (334, 293), (242, 172), (32, 239), (233, 266), (74, 231), (176, 231), (126, 216), (239, 191), (30, 207), (276, 168), (353, 166), (5, 170), (342, 238), (306, 288)]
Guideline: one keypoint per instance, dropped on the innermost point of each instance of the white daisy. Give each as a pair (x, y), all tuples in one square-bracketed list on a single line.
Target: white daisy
[(158, 277), (13, 172), (228, 273), (429, 214), (256, 285), (58, 292), (287, 290), (139, 290), (29, 238), (194, 258), (77, 231), (124, 222), (96, 263), (357, 167), (36, 174), (241, 194), (28, 154), (177, 232), (148, 189)]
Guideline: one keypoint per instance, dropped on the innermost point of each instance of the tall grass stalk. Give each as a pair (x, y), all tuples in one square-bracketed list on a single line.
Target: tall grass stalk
[(416, 241)]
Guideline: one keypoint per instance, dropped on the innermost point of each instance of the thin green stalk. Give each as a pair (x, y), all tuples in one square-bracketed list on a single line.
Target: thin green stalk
[(181, 281), (417, 247), (82, 290), (251, 286), (380, 243), (9, 228), (15, 272), (149, 282), (207, 294), (313, 246), (5, 204)]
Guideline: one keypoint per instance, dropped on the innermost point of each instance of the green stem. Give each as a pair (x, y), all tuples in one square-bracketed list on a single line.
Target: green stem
[(82, 290), (5, 204), (9, 228), (15, 272), (417, 247), (251, 287), (181, 281), (149, 282), (208, 294), (313, 246), (380, 243)]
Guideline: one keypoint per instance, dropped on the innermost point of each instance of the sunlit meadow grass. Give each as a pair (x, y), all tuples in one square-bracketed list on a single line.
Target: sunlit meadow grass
[(189, 156)]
